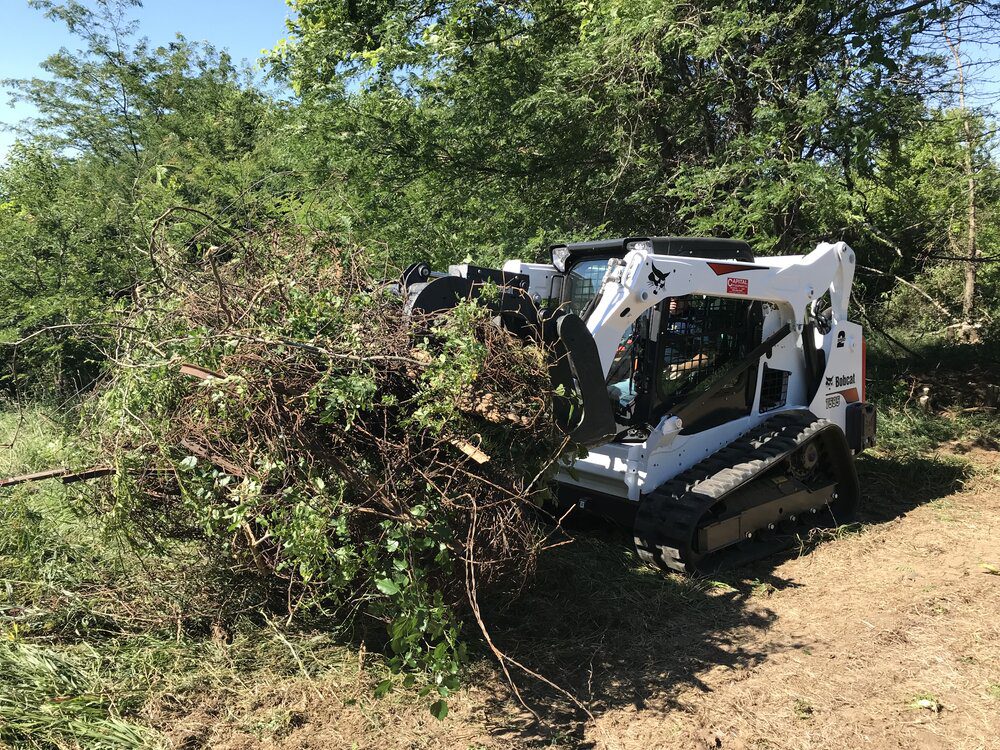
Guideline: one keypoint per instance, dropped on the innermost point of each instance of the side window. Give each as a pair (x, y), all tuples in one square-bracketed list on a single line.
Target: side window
[(625, 367), (582, 283), (701, 337)]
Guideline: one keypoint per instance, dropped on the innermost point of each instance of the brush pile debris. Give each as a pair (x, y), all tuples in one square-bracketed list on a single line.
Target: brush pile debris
[(276, 401)]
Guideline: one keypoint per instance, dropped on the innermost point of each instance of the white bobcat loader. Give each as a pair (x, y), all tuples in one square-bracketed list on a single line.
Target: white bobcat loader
[(722, 398)]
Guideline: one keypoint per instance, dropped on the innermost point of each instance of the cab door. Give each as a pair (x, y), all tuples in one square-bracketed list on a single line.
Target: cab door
[(699, 339)]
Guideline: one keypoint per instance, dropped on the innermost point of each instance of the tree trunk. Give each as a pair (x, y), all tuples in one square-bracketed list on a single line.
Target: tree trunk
[(968, 330), (969, 297)]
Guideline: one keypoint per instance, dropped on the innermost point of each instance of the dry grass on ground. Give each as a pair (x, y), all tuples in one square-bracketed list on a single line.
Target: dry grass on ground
[(884, 636)]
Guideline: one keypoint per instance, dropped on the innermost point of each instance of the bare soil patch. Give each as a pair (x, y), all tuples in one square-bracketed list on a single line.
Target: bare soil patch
[(886, 638)]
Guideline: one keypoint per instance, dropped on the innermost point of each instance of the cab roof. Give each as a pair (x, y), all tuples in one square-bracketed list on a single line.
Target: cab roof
[(697, 247)]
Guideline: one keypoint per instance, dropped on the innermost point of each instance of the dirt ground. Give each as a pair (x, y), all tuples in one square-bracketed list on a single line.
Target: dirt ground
[(882, 636), (889, 638)]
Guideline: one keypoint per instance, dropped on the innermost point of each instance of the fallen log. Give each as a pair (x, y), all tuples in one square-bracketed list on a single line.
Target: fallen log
[(66, 476)]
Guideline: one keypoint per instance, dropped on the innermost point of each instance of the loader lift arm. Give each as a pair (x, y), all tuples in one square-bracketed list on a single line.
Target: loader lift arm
[(641, 279)]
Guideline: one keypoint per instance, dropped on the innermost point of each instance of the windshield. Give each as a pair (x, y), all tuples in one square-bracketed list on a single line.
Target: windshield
[(582, 283)]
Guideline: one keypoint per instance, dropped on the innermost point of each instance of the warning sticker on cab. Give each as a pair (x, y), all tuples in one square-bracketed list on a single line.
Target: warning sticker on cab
[(737, 286)]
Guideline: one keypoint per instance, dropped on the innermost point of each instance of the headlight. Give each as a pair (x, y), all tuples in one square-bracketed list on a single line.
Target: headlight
[(645, 245), (560, 254)]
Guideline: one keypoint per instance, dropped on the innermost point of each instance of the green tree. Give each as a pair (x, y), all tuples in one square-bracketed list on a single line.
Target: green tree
[(62, 261), (491, 125), (124, 132), (915, 209)]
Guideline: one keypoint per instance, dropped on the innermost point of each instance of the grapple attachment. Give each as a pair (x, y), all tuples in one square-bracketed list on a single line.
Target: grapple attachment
[(582, 406)]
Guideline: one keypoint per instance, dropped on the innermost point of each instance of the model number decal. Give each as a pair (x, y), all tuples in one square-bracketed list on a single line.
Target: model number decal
[(736, 285), (832, 402)]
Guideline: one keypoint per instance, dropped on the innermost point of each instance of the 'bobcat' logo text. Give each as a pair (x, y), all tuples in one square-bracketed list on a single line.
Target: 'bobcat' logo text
[(840, 381)]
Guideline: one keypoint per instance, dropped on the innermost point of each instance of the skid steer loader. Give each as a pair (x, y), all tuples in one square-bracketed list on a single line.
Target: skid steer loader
[(722, 398)]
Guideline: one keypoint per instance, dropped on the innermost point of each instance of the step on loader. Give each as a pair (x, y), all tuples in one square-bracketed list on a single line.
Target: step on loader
[(721, 397)]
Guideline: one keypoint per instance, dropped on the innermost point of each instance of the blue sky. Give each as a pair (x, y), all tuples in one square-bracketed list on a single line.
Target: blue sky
[(244, 27)]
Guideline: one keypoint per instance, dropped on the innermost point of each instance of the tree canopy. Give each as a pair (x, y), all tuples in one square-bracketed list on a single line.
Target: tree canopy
[(457, 129), (509, 121)]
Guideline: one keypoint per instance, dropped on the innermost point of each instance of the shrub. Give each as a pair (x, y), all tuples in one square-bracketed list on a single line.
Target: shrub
[(373, 466)]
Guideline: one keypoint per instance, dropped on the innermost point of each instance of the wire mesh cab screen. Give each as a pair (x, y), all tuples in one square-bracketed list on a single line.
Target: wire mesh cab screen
[(773, 388), (679, 349), (700, 339)]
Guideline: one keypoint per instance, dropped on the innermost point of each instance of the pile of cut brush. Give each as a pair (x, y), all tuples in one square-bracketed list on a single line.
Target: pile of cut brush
[(275, 401)]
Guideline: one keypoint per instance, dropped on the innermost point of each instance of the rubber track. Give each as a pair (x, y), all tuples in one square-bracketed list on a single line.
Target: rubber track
[(667, 519)]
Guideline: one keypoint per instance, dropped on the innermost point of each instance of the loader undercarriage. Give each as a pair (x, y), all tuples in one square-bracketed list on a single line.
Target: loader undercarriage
[(751, 498)]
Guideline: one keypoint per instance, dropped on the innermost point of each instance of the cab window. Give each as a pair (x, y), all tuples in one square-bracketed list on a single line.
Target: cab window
[(583, 282), (700, 338)]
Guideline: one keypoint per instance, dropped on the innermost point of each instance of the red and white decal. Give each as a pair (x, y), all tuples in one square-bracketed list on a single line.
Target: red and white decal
[(850, 395), (721, 269), (737, 285)]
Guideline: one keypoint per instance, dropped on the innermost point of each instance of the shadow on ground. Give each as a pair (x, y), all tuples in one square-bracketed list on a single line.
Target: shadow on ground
[(893, 485), (615, 633)]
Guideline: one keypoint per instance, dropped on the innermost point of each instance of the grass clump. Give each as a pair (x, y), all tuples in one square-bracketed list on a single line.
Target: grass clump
[(51, 698), (926, 702), (62, 591), (934, 394), (910, 430), (803, 709)]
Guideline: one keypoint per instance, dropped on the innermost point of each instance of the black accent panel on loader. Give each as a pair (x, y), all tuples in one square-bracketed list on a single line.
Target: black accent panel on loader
[(596, 423), (861, 424), (815, 359)]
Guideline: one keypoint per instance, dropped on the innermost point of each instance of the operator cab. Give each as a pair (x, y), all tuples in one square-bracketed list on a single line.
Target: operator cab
[(585, 263), (676, 350)]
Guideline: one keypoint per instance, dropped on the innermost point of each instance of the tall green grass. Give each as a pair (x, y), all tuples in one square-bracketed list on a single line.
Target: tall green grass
[(958, 377), (908, 429), (53, 698), (95, 633), (55, 690)]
